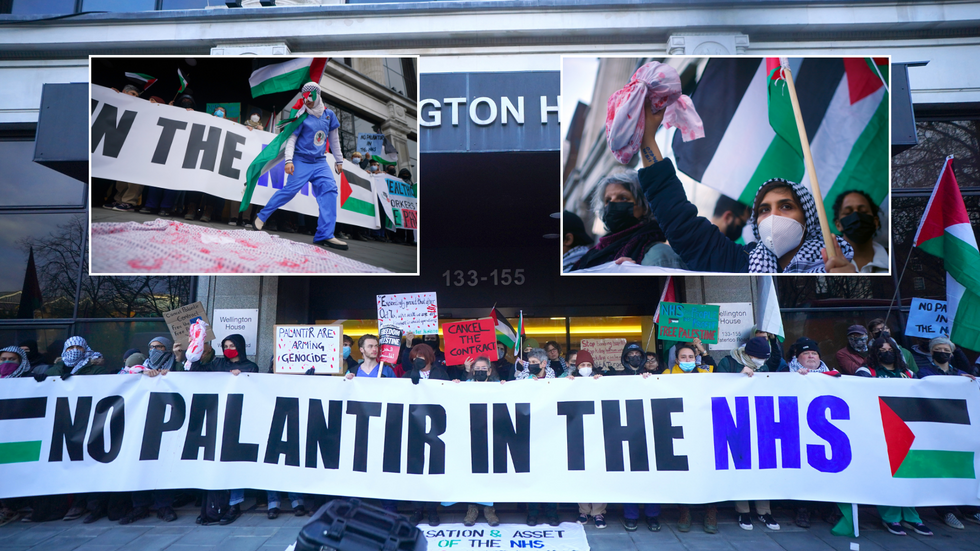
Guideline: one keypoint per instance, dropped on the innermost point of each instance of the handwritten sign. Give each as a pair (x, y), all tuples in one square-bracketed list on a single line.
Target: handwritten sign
[(469, 339), (179, 322), (411, 312), (927, 319), (607, 353), (300, 347), (682, 322), (389, 339), (567, 536), (734, 320), (371, 144)]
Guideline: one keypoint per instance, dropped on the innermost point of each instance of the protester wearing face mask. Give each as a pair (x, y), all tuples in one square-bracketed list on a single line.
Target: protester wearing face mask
[(39, 363), (940, 353), (587, 511), (575, 241), (14, 363), (161, 360), (374, 167), (731, 217), (633, 233), (747, 359), (877, 328), (424, 365), (784, 223), (536, 367), (856, 217), (687, 361), (350, 361), (255, 120), (853, 355), (503, 367), (78, 359)]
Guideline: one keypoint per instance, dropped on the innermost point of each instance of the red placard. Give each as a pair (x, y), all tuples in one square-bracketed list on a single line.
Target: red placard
[(469, 339)]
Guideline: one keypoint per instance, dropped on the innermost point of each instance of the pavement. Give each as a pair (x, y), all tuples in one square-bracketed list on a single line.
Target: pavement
[(253, 531), (390, 256)]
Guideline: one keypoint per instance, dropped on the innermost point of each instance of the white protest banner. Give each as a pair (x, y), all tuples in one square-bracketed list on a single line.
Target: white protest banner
[(179, 322), (370, 144), (567, 536), (243, 321), (663, 439), (607, 353), (159, 145), (300, 347), (411, 312), (400, 201), (927, 319), (734, 320)]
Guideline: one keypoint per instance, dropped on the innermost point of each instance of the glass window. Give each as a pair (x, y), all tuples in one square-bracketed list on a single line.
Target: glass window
[(350, 126), (113, 338), (26, 183), (919, 166), (55, 241), (50, 340), (829, 328), (413, 157), (184, 4), (119, 5), (43, 7), (394, 78)]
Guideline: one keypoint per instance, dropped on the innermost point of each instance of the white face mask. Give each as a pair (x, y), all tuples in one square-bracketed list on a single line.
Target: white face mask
[(356, 160), (585, 371), (255, 118), (780, 234), (758, 362)]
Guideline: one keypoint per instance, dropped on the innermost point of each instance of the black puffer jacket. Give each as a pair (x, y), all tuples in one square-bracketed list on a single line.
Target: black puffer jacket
[(221, 363)]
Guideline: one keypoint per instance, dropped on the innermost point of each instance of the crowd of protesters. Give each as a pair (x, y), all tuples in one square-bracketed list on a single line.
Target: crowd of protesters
[(871, 351)]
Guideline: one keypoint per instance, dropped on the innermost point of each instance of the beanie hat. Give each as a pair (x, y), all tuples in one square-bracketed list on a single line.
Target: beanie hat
[(584, 356), (803, 344), (135, 359), (758, 347), (533, 343)]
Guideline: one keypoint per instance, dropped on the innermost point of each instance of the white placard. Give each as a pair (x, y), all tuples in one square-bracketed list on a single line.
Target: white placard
[(228, 321), (416, 313), (734, 319), (567, 536), (300, 347), (606, 353), (927, 319)]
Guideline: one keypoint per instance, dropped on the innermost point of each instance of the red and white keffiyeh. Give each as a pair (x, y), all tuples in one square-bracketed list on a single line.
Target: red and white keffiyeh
[(654, 86)]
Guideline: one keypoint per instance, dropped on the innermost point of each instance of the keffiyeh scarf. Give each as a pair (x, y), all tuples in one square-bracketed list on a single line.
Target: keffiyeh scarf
[(77, 359), (24, 367)]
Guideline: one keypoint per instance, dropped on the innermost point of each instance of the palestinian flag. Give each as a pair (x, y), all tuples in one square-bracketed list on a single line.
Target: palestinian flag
[(287, 76), (389, 155), (945, 231), (668, 295), (845, 105), (897, 412), (505, 331), (520, 336), (271, 155), (183, 81), (770, 318), (141, 79)]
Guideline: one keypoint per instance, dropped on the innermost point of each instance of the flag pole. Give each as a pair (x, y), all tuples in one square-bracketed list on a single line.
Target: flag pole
[(828, 238)]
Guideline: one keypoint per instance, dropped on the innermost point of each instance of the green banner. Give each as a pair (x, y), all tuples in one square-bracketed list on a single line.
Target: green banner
[(683, 322)]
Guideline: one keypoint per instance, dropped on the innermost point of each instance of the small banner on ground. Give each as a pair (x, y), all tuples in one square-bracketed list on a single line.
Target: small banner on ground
[(415, 313), (300, 347), (606, 353), (683, 322), (159, 145), (469, 339), (179, 322), (567, 536), (927, 319), (734, 321), (389, 339), (663, 439)]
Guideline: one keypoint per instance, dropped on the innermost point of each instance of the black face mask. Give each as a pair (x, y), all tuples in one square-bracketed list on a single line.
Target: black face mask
[(535, 369), (941, 357), (480, 376), (618, 216), (887, 358), (635, 361), (418, 363), (858, 227), (734, 231)]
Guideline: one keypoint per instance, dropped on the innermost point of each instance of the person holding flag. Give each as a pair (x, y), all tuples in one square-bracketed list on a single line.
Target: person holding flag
[(305, 153)]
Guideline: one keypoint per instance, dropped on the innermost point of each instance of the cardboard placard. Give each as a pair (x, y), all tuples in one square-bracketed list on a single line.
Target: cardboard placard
[(680, 321), (179, 322), (416, 313), (300, 347), (928, 319), (606, 353), (469, 339), (389, 341), (734, 319)]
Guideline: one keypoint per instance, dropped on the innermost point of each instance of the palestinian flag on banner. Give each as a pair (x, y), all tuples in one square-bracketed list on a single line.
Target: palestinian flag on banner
[(141, 79), (183, 81), (668, 295), (356, 193), (844, 102), (905, 462), (945, 231), (505, 331), (287, 76)]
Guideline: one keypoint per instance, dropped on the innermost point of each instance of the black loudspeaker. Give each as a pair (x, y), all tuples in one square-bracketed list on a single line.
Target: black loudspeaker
[(349, 525)]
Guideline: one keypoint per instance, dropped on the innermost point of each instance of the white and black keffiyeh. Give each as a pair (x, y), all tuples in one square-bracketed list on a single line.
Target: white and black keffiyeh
[(795, 365), (317, 109), (807, 259), (25, 365)]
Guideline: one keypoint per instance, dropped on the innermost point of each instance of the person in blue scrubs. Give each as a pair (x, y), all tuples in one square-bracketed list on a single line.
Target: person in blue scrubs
[(306, 161)]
